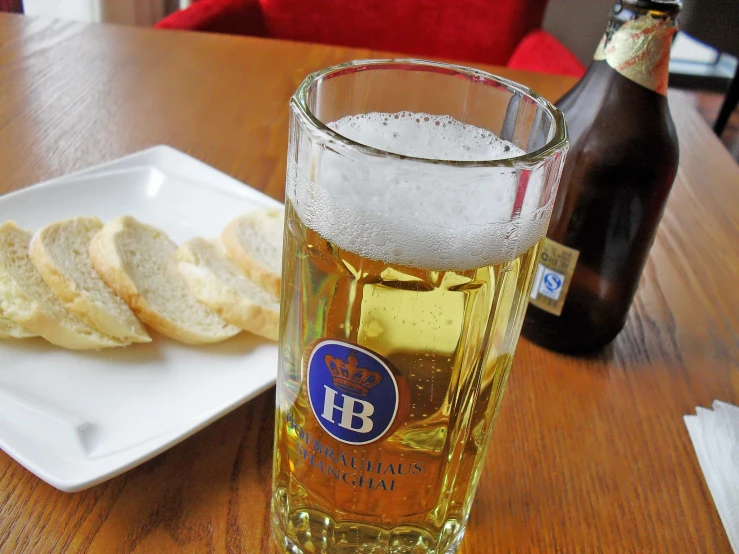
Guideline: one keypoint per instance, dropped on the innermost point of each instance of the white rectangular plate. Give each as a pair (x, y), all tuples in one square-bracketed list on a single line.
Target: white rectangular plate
[(76, 419)]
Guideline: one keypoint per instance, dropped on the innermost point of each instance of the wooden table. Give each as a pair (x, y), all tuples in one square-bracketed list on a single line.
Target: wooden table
[(590, 454)]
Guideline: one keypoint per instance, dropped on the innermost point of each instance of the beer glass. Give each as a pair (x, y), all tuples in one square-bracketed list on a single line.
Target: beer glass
[(417, 196)]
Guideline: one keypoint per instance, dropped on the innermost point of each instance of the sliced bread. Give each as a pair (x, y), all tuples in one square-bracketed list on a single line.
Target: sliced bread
[(27, 300), (254, 242), (60, 252), (217, 282), (137, 261), (9, 329)]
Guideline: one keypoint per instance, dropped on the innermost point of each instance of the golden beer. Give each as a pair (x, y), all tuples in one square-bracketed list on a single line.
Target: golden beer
[(451, 335), (402, 304)]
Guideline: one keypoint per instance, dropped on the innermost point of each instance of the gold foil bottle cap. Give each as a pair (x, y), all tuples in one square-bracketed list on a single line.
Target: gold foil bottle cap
[(638, 40)]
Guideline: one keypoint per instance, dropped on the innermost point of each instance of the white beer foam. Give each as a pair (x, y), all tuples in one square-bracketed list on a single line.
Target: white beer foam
[(436, 137), (414, 213)]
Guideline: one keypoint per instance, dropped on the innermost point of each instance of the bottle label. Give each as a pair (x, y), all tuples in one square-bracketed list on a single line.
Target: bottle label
[(355, 395), (553, 276), (640, 51)]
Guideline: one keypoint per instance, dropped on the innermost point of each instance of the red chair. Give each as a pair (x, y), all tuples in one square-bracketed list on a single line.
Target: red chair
[(489, 31), (12, 6)]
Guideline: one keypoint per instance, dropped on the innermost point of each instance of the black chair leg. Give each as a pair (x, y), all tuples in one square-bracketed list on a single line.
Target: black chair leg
[(730, 102)]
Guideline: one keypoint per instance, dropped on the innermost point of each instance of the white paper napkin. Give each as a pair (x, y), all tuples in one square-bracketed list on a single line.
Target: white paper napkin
[(715, 436)]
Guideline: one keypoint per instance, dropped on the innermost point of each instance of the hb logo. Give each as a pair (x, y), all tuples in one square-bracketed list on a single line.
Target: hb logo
[(352, 391)]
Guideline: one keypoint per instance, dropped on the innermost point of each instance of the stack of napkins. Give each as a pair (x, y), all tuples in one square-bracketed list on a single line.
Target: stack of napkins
[(715, 436)]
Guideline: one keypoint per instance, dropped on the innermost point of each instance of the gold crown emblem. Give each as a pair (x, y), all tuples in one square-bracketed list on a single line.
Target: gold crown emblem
[(351, 378)]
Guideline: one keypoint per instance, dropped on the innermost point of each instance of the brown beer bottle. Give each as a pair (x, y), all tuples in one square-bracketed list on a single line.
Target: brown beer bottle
[(621, 165)]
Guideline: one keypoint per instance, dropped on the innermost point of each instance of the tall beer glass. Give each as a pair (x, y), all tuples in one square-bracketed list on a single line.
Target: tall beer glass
[(416, 199)]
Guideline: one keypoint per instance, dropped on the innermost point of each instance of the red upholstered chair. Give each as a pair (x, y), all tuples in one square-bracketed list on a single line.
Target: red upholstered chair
[(488, 31), (13, 6)]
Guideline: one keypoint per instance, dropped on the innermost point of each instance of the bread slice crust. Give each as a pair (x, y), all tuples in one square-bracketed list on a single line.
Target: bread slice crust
[(60, 252), (245, 236), (114, 252), (217, 282), (27, 300)]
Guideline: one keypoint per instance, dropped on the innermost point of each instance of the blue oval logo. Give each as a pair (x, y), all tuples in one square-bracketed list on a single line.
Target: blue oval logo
[(352, 391), (552, 281)]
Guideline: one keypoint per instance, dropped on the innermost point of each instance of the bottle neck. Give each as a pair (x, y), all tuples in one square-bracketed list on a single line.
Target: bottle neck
[(637, 45)]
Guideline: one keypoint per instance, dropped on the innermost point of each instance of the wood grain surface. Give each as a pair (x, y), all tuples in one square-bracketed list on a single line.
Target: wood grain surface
[(589, 454)]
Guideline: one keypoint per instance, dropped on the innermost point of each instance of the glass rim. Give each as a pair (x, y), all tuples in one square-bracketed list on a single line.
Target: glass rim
[(558, 142)]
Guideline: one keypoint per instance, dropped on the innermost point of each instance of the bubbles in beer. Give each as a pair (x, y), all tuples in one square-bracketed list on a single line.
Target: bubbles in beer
[(437, 137), (432, 216)]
